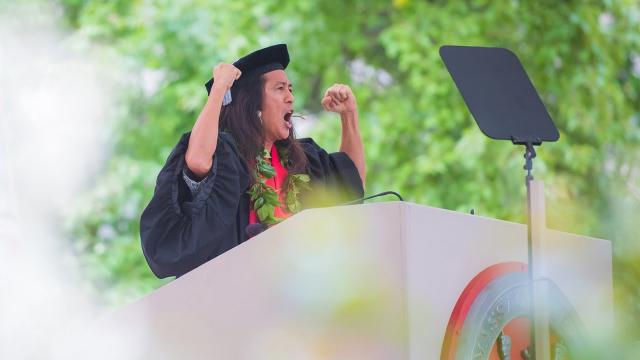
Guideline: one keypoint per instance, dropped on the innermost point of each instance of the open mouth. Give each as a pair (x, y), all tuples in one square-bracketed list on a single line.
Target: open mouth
[(287, 118)]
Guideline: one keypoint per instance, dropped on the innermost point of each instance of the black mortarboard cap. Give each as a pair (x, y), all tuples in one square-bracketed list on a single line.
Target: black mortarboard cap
[(275, 57)]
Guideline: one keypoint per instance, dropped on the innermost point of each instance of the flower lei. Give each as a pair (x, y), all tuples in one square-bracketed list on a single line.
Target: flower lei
[(265, 198)]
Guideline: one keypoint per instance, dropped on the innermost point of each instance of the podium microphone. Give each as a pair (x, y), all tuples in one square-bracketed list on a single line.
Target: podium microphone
[(254, 229), (357, 201)]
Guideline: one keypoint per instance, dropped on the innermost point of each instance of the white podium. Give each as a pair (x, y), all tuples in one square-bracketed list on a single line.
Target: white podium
[(376, 281)]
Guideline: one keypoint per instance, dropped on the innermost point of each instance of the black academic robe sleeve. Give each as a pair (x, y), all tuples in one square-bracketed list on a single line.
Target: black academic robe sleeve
[(335, 171), (178, 232)]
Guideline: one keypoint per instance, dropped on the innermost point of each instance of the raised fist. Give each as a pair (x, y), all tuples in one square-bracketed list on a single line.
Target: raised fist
[(340, 99), (224, 75)]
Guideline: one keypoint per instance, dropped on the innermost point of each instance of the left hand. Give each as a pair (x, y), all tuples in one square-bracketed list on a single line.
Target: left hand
[(340, 99)]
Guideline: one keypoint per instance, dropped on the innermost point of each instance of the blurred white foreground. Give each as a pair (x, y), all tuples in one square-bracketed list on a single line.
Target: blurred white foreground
[(54, 105)]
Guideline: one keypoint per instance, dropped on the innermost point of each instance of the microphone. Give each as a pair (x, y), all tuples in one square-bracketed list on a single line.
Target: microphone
[(373, 196), (254, 229)]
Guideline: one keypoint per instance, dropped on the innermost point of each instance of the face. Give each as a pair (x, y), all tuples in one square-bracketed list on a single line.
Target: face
[(277, 105)]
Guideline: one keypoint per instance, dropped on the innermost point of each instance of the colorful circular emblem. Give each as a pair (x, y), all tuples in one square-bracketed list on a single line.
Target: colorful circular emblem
[(490, 319)]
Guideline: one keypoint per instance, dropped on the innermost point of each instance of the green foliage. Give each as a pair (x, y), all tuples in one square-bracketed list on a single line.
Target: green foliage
[(583, 57), (298, 184), (105, 224), (265, 198)]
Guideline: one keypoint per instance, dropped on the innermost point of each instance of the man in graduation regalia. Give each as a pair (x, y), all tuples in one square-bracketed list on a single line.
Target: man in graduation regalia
[(241, 167)]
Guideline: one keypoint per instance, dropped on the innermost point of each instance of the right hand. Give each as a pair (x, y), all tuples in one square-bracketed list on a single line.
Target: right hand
[(224, 75)]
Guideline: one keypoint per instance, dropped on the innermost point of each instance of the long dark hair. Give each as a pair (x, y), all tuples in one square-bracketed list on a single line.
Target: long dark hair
[(240, 119)]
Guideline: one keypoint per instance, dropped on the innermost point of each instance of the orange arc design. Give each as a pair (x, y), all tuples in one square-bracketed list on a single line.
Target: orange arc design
[(467, 298)]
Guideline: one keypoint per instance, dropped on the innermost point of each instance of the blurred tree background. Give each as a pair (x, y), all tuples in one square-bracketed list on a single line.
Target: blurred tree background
[(582, 56)]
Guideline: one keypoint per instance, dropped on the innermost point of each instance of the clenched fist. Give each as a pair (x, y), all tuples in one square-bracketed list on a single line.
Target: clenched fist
[(340, 99), (224, 75)]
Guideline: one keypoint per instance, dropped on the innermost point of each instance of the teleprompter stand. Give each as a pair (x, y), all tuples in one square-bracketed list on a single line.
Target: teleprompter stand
[(506, 106)]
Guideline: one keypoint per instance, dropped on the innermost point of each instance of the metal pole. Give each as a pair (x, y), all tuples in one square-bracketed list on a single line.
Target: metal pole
[(539, 331)]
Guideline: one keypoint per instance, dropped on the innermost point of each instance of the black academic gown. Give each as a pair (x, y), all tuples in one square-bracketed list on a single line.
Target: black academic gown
[(180, 233)]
